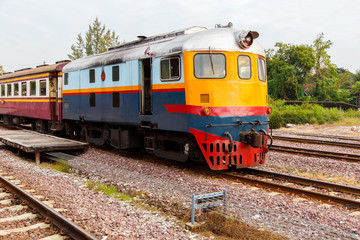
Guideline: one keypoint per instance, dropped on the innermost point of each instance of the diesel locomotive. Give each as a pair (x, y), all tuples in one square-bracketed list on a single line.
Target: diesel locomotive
[(193, 94)]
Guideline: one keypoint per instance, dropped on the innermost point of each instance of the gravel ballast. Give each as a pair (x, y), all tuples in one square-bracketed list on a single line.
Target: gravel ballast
[(99, 214), (284, 214)]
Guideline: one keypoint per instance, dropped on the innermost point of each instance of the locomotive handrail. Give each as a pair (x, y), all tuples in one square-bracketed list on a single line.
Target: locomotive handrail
[(269, 135), (231, 141)]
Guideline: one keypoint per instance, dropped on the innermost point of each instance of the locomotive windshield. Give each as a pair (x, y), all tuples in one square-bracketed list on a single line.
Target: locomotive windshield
[(209, 65)]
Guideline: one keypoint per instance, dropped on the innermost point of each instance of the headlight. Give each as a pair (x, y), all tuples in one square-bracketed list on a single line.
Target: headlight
[(245, 38)]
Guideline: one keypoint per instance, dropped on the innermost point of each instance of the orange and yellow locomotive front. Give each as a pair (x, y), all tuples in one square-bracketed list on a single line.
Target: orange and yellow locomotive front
[(227, 106)]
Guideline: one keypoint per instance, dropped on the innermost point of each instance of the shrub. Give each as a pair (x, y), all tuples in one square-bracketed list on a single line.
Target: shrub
[(309, 113)]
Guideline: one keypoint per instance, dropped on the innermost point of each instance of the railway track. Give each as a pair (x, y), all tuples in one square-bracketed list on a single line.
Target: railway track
[(353, 139), (354, 158), (353, 193), (318, 141), (240, 177), (13, 195)]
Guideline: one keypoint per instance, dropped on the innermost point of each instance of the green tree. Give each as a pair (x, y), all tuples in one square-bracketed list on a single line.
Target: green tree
[(323, 65), (355, 88), (288, 68), (326, 77), (97, 40), (357, 76), (1, 70), (345, 78), (77, 49), (283, 84)]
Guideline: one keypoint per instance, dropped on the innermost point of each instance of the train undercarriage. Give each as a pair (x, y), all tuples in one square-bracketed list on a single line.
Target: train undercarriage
[(165, 144), (178, 146)]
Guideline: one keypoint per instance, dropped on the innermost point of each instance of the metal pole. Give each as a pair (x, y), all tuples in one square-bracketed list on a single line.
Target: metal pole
[(225, 202), (193, 210)]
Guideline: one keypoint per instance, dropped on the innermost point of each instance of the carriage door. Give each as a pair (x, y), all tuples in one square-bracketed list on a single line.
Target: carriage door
[(146, 93), (54, 110)]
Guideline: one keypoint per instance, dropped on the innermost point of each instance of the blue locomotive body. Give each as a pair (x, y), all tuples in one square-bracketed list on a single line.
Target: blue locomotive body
[(184, 95)]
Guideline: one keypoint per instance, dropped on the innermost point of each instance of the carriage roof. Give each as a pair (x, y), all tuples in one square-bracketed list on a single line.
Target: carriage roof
[(39, 69), (190, 39)]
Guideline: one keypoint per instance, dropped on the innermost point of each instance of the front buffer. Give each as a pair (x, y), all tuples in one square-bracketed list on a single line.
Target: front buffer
[(222, 152)]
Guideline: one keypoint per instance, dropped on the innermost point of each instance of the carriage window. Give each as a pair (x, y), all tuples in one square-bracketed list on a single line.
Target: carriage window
[(115, 73), (92, 75), (262, 69), (244, 67), (32, 88), (9, 90), (116, 100), (92, 99), (209, 65), (16, 89), (170, 69), (42, 87), (23, 89), (3, 90), (66, 79)]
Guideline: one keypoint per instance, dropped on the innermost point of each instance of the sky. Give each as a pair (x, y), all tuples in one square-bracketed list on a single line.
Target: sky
[(33, 32)]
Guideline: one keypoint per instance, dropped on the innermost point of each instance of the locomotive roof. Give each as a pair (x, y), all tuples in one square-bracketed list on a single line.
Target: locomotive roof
[(190, 39), (39, 69)]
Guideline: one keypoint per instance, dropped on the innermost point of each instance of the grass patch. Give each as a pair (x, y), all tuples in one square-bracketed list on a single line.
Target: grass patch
[(311, 114), (109, 190), (58, 166), (349, 121), (230, 228), (62, 167)]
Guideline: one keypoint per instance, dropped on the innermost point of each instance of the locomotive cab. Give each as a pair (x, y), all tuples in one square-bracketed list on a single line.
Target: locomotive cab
[(228, 86)]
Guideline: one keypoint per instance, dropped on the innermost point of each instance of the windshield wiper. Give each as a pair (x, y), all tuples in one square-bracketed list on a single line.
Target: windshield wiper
[(211, 61)]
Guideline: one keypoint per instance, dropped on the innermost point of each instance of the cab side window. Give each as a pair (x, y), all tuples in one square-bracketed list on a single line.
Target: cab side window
[(262, 69), (170, 69)]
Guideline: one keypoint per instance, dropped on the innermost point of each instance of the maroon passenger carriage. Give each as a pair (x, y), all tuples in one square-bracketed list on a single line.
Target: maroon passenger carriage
[(33, 96)]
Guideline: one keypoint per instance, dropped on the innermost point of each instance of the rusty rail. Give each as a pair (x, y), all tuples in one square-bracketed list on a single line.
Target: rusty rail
[(317, 153), (298, 191), (317, 141), (304, 181), (67, 227)]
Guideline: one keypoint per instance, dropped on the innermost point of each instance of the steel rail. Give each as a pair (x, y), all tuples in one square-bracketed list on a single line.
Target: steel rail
[(354, 139), (317, 153), (304, 181), (67, 227), (317, 141), (293, 190)]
